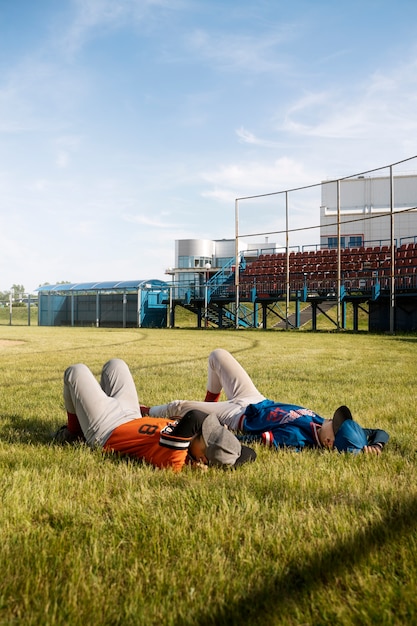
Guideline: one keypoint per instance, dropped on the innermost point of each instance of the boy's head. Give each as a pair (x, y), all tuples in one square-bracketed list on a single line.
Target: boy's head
[(349, 436), (218, 446)]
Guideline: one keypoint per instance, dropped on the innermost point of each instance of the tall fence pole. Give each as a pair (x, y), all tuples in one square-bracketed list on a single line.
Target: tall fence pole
[(237, 277), (339, 255), (392, 281), (287, 263)]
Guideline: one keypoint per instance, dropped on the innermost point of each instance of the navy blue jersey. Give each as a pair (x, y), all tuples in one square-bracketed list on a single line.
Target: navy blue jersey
[(279, 424)]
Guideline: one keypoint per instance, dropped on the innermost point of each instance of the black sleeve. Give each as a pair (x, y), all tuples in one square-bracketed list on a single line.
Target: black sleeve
[(376, 436)]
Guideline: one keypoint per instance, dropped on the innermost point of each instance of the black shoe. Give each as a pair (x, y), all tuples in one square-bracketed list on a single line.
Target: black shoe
[(63, 435)]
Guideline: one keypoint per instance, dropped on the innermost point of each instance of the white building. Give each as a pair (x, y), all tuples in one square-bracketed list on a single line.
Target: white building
[(365, 216), (196, 254), (365, 211), (196, 260)]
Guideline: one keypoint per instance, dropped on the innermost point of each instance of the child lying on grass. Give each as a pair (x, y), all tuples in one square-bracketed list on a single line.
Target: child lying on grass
[(274, 424), (108, 415)]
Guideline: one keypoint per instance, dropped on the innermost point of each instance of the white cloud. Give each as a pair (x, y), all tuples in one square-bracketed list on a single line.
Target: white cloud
[(245, 136), (40, 185), (257, 177), (62, 159), (146, 220), (386, 103), (244, 52), (66, 146), (123, 142), (94, 18), (90, 16), (38, 96)]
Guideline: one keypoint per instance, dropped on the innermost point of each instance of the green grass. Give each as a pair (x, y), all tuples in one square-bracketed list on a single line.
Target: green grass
[(19, 316), (295, 538)]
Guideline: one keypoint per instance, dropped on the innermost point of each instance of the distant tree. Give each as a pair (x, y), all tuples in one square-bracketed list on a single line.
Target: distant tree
[(59, 282), (17, 292)]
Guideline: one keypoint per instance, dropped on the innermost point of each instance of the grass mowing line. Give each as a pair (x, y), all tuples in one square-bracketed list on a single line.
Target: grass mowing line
[(34, 337)]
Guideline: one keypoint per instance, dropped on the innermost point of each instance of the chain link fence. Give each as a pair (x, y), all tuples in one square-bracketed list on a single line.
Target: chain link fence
[(19, 311)]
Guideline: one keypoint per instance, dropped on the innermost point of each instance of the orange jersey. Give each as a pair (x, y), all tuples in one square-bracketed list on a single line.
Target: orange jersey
[(152, 439)]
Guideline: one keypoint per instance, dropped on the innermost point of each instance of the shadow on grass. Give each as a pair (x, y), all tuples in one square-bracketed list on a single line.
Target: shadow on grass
[(274, 597), (15, 429), (406, 338)]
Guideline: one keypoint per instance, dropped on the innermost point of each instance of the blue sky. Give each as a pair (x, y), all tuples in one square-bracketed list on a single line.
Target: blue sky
[(127, 124)]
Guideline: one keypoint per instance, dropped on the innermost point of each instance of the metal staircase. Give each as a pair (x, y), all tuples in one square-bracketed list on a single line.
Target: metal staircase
[(217, 309)]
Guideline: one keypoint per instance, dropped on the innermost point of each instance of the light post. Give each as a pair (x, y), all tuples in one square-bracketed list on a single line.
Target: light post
[(207, 275), (143, 298), (139, 307), (170, 271)]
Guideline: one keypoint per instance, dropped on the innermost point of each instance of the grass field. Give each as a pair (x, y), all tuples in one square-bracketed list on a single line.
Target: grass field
[(294, 539)]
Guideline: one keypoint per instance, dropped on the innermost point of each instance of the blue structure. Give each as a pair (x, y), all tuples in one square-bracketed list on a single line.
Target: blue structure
[(135, 303)]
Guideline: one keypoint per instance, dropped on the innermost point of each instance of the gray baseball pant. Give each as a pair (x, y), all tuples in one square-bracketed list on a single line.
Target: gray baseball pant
[(100, 408), (224, 372)]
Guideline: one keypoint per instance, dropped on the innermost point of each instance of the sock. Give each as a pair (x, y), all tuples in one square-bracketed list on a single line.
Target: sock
[(73, 424), (144, 409), (211, 397)]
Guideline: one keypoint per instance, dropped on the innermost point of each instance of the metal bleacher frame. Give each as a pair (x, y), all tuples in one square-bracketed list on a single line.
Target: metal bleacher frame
[(365, 276), (253, 286), (342, 275)]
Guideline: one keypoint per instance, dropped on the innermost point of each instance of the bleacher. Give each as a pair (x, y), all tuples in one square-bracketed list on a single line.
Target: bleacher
[(316, 270)]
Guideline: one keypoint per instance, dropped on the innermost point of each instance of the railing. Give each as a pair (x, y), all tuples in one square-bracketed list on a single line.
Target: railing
[(287, 200), (21, 312)]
